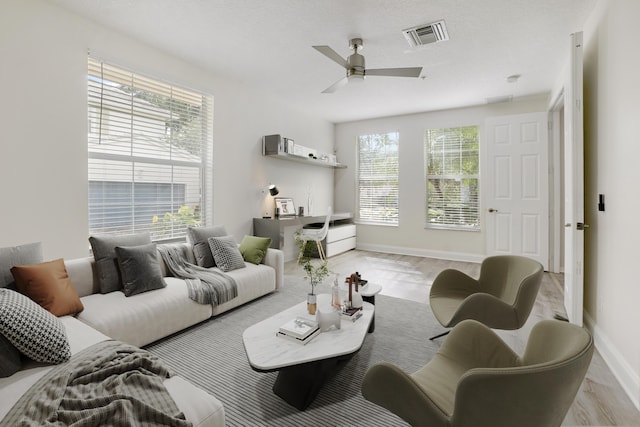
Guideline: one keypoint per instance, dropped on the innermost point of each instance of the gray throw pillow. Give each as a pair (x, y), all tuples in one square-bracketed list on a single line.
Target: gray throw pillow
[(226, 253), (10, 362), (140, 268), (30, 253), (199, 238), (104, 253), (31, 329)]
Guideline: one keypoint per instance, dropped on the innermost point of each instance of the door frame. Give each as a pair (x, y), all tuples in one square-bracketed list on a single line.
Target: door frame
[(556, 184), (567, 95)]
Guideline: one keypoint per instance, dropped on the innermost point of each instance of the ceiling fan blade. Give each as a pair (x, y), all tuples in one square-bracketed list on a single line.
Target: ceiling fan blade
[(394, 72), (332, 55), (337, 85)]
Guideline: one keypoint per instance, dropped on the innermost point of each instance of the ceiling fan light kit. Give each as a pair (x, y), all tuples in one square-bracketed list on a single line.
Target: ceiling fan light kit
[(355, 67)]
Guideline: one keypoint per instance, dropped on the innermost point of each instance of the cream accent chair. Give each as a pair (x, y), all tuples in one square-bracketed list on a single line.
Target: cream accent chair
[(502, 298), (315, 235), (476, 380)]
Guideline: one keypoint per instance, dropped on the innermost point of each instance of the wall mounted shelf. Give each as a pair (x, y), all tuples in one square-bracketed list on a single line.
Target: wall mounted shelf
[(285, 149), (307, 160)]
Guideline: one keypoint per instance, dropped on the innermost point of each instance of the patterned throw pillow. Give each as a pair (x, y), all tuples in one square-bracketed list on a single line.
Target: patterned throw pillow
[(34, 331), (226, 254)]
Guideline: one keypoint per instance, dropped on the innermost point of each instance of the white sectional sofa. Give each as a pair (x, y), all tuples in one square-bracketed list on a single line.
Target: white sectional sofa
[(143, 318)]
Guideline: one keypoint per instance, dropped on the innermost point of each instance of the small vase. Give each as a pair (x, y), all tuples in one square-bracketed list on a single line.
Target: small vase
[(311, 303), (328, 319)]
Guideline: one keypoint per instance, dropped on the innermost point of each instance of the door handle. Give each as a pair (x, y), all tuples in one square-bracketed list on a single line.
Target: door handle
[(491, 210), (579, 225)]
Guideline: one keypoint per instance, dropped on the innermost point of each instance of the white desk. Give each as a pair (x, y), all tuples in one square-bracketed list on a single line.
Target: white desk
[(281, 231)]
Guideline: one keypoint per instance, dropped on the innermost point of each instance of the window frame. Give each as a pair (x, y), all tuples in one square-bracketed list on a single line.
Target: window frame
[(144, 132), (473, 220), (391, 182)]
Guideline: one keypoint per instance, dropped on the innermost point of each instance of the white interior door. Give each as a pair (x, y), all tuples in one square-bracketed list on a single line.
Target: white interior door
[(517, 195), (574, 186)]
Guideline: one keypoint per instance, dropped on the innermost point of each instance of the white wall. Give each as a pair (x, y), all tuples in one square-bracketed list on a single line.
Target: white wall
[(43, 117), (410, 236), (612, 153)]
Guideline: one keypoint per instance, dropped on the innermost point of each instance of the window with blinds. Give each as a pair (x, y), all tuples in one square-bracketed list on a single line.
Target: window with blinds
[(452, 175), (378, 178), (149, 146)]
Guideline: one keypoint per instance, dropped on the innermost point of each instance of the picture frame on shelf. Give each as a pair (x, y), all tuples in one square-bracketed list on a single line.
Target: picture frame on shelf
[(285, 206)]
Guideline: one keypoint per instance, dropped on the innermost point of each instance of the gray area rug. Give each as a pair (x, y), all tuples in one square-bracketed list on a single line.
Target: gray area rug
[(211, 356)]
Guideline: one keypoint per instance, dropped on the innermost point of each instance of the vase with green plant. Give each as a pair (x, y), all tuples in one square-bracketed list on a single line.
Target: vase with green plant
[(315, 272)]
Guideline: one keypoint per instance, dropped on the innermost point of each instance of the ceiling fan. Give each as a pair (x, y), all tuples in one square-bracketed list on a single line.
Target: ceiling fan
[(354, 65)]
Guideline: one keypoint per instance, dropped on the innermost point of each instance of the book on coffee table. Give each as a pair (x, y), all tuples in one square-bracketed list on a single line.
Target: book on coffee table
[(302, 341), (299, 328), (352, 314)]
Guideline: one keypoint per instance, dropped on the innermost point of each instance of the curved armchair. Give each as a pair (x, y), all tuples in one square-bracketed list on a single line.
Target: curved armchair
[(502, 298), (475, 379)]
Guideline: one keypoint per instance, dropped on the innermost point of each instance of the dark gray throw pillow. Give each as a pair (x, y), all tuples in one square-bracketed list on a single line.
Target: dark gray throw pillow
[(226, 253), (104, 253), (199, 238), (10, 362), (140, 268), (30, 253)]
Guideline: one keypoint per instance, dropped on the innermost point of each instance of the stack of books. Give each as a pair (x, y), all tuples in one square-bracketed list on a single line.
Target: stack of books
[(352, 313), (300, 330)]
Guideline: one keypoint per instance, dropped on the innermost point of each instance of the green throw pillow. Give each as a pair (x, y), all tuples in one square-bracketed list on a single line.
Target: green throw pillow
[(253, 249)]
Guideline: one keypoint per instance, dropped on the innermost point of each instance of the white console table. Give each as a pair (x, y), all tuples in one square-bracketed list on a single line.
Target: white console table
[(341, 236)]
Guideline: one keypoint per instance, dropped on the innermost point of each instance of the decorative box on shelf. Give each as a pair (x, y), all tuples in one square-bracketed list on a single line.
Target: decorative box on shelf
[(276, 144)]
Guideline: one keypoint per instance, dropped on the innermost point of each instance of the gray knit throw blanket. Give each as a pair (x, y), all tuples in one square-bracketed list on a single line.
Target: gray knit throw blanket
[(205, 285)]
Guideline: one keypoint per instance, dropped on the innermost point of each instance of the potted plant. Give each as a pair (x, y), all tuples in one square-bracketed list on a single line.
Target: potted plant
[(315, 272)]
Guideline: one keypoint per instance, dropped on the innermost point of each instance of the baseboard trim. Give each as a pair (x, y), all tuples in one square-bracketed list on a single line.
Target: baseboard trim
[(625, 375), (400, 250)]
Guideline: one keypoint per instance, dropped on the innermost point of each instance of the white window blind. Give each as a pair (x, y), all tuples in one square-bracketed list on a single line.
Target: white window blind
[(149, 146), (452, 175), (378, 178)]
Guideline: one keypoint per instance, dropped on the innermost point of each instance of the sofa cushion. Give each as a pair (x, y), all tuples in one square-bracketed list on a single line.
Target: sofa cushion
[(198, 406), (199, 238), (144, 318), (104, 252), (30, 253), (34, 331), (140, 268), (225, 253), (253, 281), (253, 249), (10, 362), (49, 285)]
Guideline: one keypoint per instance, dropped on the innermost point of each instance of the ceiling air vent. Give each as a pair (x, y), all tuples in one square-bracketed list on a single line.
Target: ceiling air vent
[(426, 34)]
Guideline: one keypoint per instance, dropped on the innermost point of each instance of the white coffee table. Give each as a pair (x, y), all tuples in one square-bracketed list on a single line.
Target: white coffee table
[(303, 369)]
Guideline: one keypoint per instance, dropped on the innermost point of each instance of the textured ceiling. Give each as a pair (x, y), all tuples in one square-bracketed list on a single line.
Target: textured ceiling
[(267, 44)]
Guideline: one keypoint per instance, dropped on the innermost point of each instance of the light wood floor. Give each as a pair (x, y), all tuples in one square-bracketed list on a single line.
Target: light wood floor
[(600, 401)]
